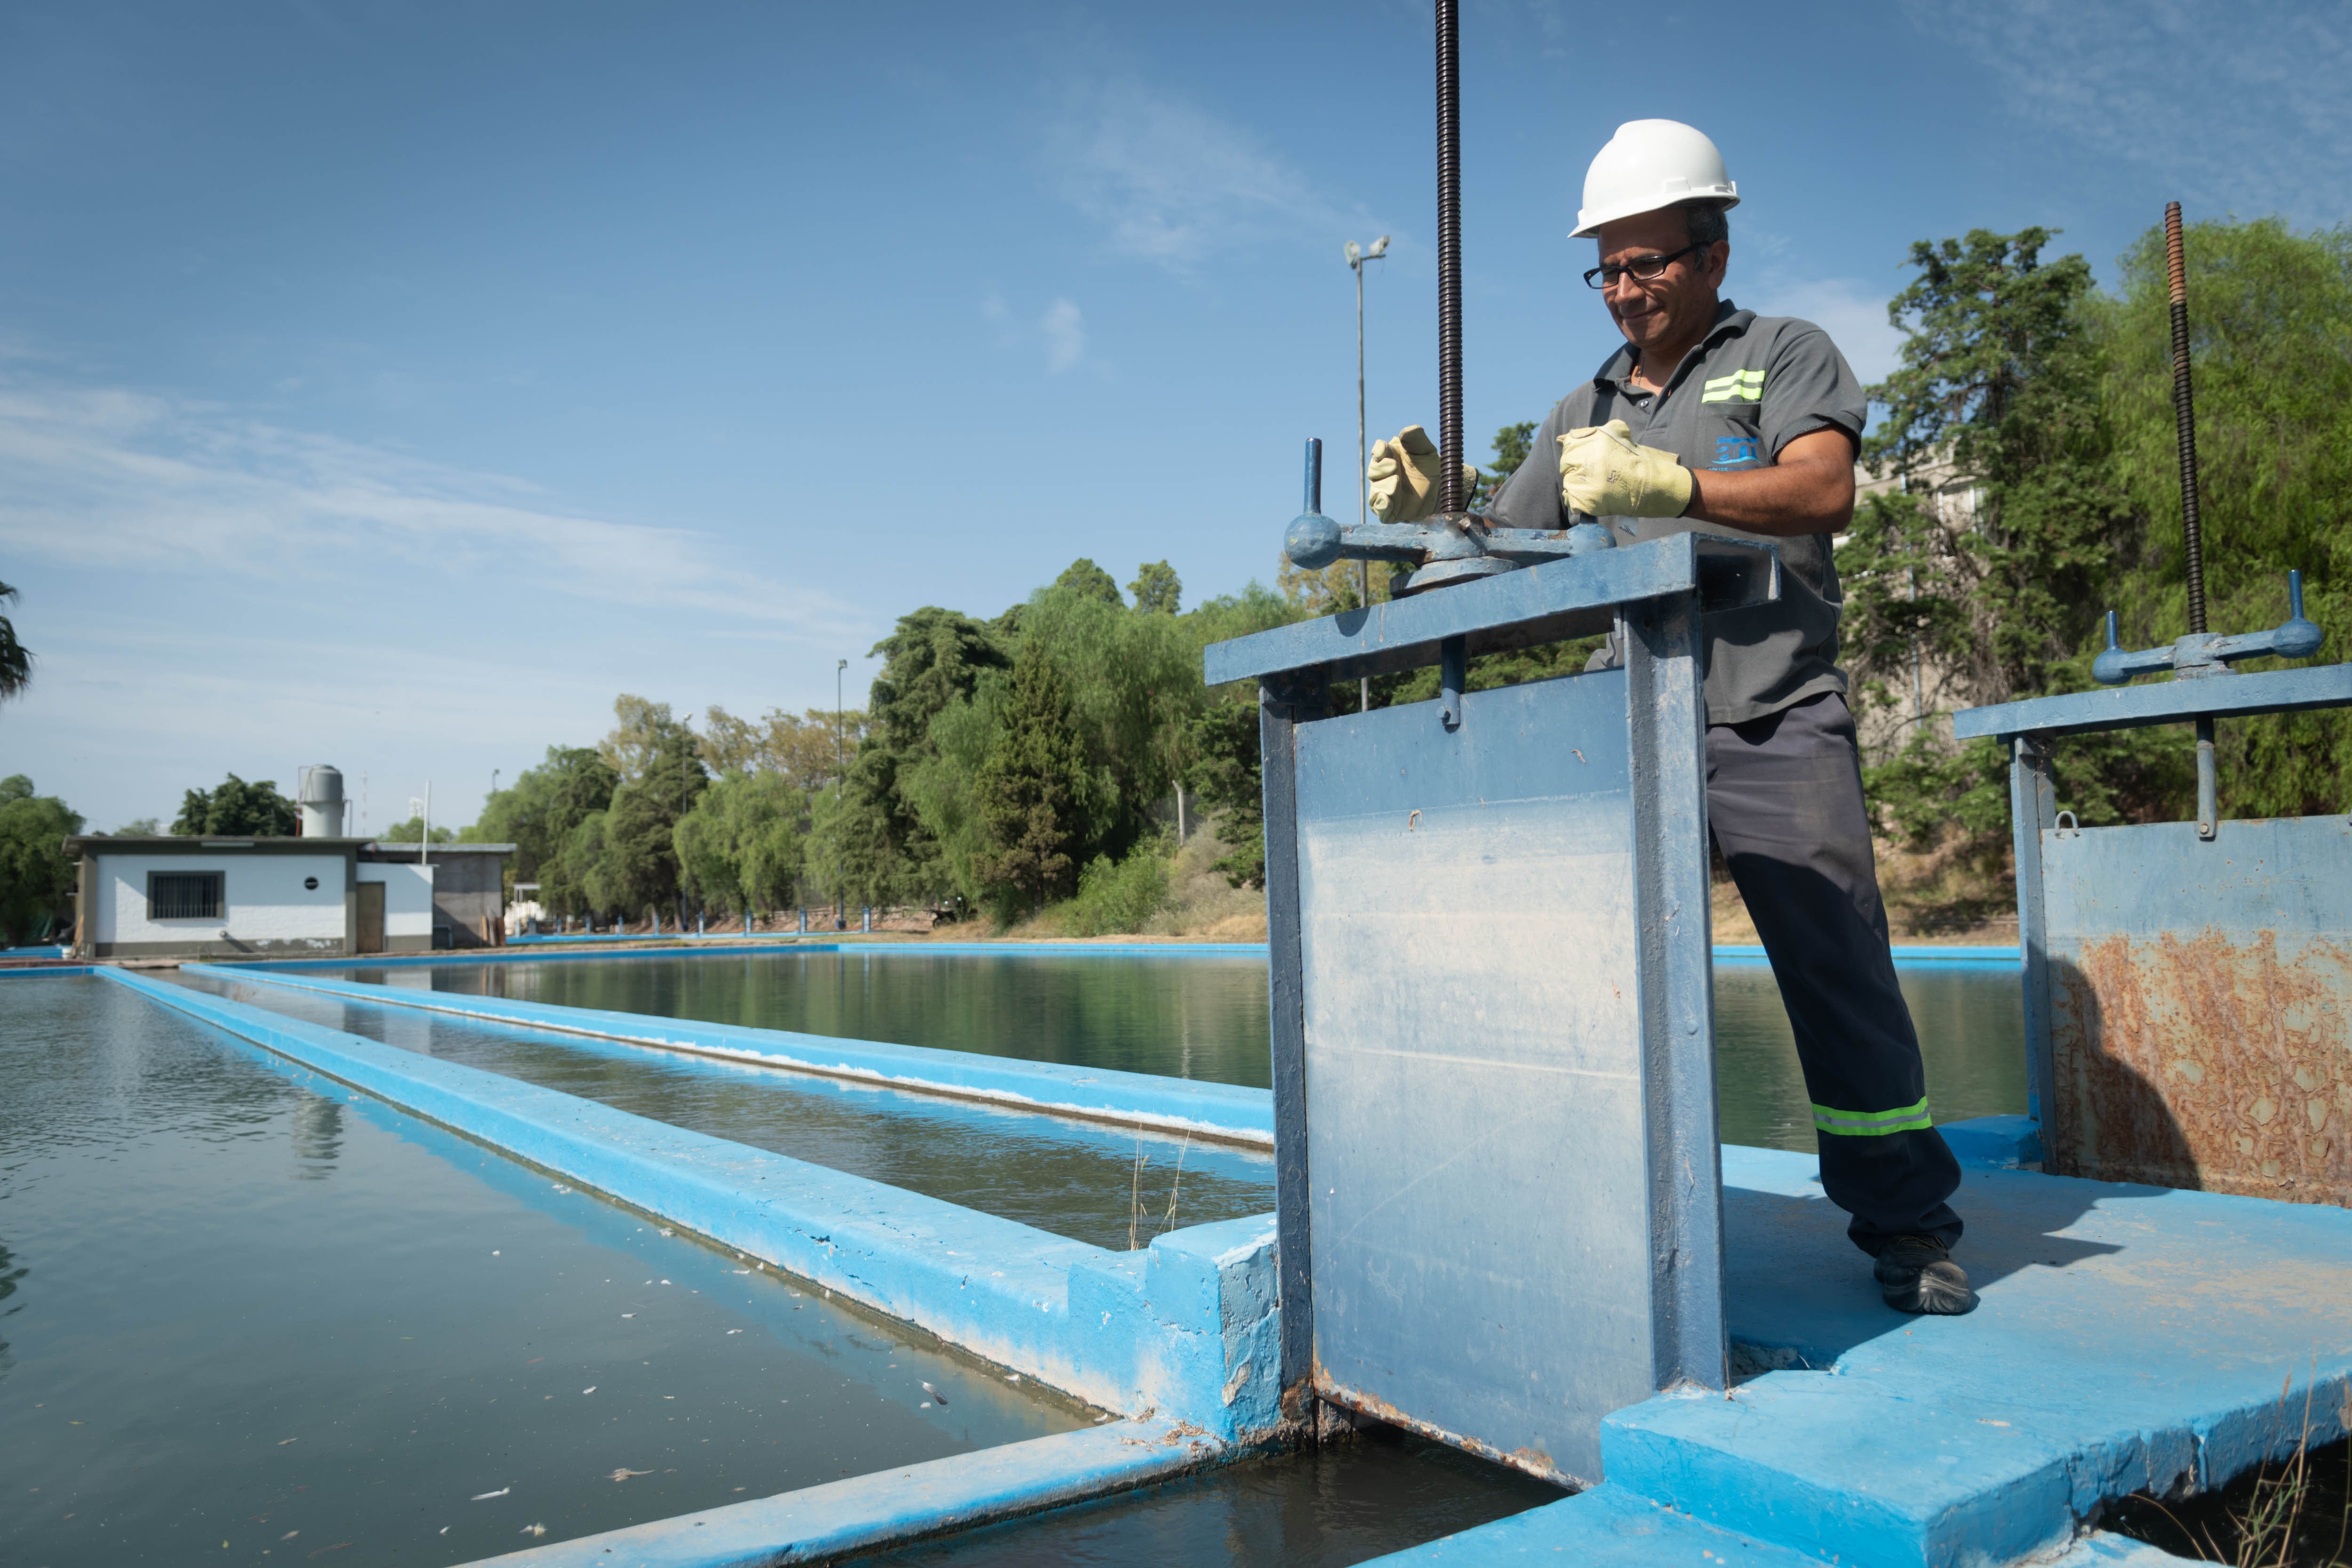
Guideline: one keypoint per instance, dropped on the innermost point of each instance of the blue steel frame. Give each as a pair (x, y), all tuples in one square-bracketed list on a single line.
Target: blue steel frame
[(1653, 594), (2026, 729)]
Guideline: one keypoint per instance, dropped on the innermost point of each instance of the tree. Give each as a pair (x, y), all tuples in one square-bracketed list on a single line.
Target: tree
[(1158, 590), (538, 813), (2271, 322), (36, 875), (1510, 450), (643, 735), (2001, 379), (1082, 576), (15, 658), (235, 810), (871, 842), (740, 848), (1031, 791), (413, 831), (1998, 592), (1228, 776)]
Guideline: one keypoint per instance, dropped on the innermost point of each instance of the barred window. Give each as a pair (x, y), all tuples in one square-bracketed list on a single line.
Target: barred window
[(183, 895)]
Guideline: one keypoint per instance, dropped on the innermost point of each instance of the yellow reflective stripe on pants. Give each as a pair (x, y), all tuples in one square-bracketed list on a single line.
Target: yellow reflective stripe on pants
[(1871, 1123)]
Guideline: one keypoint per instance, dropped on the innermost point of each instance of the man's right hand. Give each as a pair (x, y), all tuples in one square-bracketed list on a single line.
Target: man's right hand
[(1404, 476)]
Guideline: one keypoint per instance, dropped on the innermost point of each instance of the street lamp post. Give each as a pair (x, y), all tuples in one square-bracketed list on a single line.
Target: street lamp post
[(840, 766), (1356, 257)]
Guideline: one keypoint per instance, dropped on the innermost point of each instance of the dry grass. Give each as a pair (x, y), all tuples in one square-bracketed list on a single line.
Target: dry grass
[(1932, 897), (2294, 1513)]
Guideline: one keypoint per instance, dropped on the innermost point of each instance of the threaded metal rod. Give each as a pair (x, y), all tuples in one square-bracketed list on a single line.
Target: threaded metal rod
[(1449, 257), (2184, 415)]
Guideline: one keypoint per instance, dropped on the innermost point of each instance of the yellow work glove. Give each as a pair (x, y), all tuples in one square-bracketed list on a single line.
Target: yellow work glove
[(1604, 474), (1404, 476)]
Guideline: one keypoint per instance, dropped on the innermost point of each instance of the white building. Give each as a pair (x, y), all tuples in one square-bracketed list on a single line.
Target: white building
[(225, 897)]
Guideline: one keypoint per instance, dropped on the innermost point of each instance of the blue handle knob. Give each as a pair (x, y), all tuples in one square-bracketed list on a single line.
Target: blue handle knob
[(2296, 637)]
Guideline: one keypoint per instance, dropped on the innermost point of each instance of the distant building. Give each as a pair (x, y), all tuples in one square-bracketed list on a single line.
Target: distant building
[(156, 897)]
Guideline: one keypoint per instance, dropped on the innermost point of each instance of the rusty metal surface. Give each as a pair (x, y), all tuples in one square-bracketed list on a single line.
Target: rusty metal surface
[(2200, 1019), (1533, 1462)]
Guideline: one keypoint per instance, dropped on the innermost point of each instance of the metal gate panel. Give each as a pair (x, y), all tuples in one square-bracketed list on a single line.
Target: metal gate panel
[(2200, 1005), (1475, 1126)]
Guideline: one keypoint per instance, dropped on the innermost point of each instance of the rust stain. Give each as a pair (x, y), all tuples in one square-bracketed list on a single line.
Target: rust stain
[(2205, 1062), (1532, 1461)]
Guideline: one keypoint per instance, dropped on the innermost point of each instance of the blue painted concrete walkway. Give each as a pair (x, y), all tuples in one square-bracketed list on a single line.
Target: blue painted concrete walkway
[(2129, 1339)]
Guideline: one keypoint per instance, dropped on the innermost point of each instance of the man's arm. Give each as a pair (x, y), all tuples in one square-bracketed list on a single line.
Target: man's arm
[(1808, 488)]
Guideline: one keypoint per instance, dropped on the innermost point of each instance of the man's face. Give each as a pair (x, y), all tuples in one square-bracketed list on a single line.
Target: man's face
[(1676, 308)]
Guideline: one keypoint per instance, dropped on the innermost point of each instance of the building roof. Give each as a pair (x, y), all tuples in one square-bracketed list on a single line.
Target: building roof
[(281, 844)]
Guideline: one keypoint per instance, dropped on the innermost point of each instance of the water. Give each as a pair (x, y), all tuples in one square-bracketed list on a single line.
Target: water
[(1200, 1016), (1377, 1494), (1073, 1178), (1205, 1018), (247, 1315)]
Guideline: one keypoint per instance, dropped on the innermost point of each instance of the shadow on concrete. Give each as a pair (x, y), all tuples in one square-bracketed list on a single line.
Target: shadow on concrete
[(1799, 1293)]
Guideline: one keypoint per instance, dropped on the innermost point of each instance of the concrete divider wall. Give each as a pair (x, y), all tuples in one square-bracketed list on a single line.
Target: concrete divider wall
[(1226, 1112), (1184, 1328)]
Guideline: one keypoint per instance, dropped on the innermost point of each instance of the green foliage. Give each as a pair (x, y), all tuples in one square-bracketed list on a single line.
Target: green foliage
[(1158, 590), (602, 824), (2270, 316), (1510, 450), (1227, 775), (2058, 402), (538, 814), (870, 842), (1117, 897), (2000, 375), (412, 830), (36, 876), (1087, 580), (140, 828), (15, 658), (740, 848), (235, 810), (1032, 791), (940, 786)]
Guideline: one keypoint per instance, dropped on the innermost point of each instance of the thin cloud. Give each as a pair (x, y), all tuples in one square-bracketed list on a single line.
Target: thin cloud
[(113, 477), (1852, 313), (1066, 335), (2243, 105), (1170, 181)]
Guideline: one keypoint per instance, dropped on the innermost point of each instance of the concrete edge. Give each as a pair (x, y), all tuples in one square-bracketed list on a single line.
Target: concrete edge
[(890, 1508), (1186, 1327), (51, 968), (1225, 1113)]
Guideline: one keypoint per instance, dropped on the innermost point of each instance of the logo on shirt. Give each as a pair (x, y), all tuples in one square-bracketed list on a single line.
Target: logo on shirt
[(1739, 386), (1730, 451)]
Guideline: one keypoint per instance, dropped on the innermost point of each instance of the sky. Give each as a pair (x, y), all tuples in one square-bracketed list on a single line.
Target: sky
[(390, 385)]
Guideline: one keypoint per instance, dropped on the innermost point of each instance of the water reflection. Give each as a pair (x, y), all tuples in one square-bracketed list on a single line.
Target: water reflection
[(316, 1131), (1206, 1017)]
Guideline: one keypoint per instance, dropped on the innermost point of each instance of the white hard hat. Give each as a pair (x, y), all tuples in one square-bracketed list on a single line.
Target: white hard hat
[(1650, 165)]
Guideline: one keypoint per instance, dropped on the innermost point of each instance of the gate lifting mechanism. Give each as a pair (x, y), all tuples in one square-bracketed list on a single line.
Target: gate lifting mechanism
[(1452, 547), (1498, 1192), (2188, 995)]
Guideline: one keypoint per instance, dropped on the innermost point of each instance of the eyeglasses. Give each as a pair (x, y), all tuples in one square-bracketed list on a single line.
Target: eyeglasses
[(1644, 268)]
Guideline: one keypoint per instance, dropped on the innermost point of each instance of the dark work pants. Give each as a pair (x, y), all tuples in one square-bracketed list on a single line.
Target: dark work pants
[(1784, 801)]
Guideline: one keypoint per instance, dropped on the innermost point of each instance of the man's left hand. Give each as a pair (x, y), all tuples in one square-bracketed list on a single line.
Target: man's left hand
[(1604, 474)]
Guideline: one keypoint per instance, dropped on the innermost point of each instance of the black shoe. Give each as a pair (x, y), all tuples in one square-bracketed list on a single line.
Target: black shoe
[(1916, 1274)]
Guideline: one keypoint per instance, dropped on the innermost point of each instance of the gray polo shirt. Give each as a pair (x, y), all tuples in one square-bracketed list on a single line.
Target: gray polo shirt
[(1754, 384)]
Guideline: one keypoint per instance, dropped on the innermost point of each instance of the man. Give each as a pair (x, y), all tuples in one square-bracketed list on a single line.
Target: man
[(1712, 417)]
